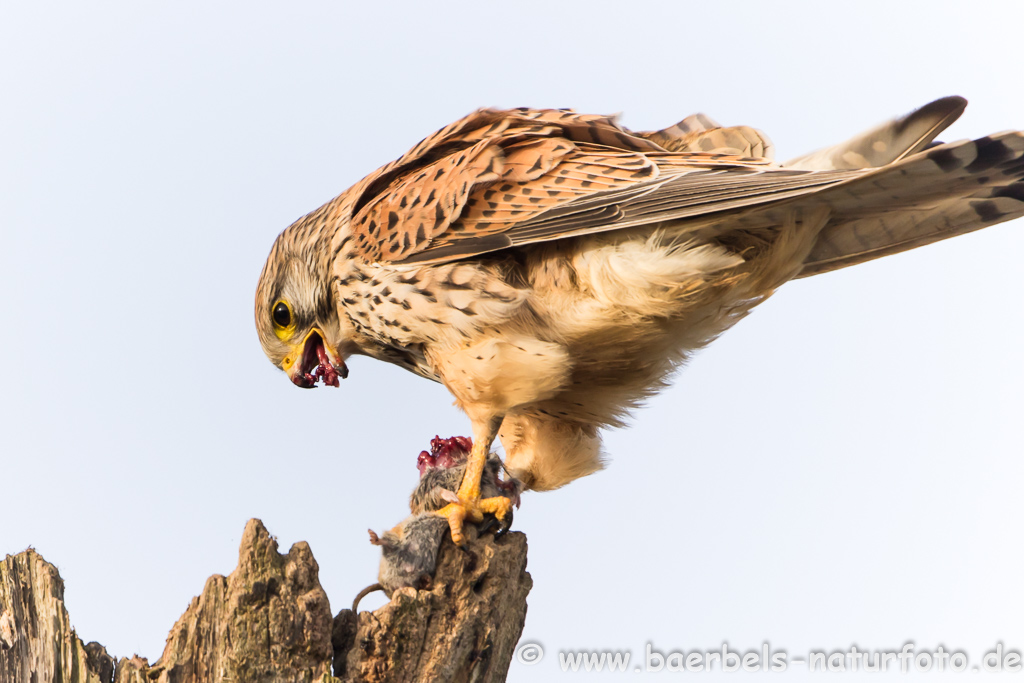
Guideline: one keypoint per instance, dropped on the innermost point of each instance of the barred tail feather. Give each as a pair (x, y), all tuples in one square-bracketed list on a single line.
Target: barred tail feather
[(945, 191)]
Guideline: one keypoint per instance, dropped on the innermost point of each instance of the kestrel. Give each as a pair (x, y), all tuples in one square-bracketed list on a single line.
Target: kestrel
[(551, 269)]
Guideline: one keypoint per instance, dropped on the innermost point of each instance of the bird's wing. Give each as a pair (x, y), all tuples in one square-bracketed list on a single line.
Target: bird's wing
[(500, 179), (698, 133), (475, 163), (926, 191), (503, 179)]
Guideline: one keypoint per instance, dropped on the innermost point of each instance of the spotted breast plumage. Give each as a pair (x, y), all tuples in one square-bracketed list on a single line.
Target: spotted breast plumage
[(551, 268)]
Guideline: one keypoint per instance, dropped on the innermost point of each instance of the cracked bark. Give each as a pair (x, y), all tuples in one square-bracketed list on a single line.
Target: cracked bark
[(463, 629), (270, 620), (37, 642)]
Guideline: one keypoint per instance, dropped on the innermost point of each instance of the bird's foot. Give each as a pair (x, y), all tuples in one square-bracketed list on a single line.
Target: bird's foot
[(463, 509), (468, 504)]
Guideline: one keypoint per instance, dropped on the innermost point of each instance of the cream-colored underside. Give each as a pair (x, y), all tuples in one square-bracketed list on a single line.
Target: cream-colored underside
[(608, 319)]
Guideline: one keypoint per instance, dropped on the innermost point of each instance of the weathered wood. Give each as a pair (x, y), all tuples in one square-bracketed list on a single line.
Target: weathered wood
[(270, 621), (464, 629), (37, 643)]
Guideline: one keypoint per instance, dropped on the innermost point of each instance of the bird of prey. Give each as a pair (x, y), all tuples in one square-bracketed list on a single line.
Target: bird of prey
[(551, 268)]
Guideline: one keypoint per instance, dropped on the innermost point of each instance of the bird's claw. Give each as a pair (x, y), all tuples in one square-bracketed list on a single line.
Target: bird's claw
[(476, 511), (500, 527)]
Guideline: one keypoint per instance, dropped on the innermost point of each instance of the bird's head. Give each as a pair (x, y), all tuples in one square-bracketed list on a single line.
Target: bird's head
[(296, 316)]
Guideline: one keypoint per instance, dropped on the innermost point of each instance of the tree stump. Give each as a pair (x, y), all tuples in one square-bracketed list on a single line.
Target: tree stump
[(37, 642), (463, 629), (270, 620)]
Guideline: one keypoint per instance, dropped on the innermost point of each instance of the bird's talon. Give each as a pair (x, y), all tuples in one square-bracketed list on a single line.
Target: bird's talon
[(489, 523), (476, 511), (500, 526), (503, 525)]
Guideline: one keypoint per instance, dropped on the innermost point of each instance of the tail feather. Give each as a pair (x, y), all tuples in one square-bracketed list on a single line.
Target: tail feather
[(945, 191), (888, 142)]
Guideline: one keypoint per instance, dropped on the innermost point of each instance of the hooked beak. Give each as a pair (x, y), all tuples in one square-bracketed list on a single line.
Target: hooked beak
[(312, 360)]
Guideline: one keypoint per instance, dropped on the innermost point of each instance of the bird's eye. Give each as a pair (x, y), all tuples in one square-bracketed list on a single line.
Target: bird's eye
[(282, 315)]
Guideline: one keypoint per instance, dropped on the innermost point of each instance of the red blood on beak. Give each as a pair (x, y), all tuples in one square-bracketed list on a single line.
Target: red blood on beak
[(325, 370), (315, 365)]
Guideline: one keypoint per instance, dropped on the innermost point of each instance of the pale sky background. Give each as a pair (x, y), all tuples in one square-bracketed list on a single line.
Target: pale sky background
[(843, 467)]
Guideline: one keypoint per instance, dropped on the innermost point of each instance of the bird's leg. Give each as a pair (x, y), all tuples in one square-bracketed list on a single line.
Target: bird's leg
[(470, 506)]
